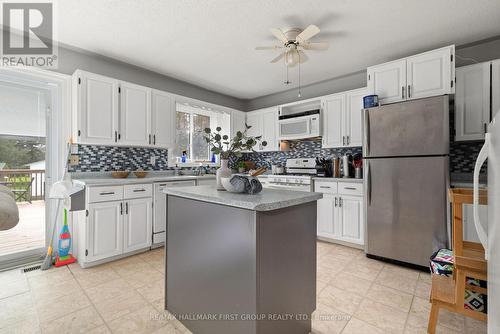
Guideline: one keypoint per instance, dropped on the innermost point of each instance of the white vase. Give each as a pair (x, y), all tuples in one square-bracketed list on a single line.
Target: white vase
[(223, 171)]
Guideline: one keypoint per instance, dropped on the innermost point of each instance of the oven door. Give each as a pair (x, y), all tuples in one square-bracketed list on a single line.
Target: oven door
[(299, 127)]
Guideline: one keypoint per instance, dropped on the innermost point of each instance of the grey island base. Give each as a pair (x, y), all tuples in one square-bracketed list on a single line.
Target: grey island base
[(241, 263)]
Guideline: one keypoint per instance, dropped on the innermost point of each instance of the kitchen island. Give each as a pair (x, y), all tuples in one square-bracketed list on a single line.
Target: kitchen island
[(238, 263)]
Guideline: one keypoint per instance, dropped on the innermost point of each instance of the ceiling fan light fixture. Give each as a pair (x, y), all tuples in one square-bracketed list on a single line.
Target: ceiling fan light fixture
[(292, 56)]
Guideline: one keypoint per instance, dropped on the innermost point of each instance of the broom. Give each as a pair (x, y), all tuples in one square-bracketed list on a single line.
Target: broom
[(47, 262)]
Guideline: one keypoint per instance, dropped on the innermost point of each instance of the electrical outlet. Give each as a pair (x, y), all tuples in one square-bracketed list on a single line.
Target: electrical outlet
[(152, 160), (74, 160), (74, 149)]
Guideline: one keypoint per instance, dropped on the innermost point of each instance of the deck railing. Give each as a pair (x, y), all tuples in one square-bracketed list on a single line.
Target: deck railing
[(27, 184)]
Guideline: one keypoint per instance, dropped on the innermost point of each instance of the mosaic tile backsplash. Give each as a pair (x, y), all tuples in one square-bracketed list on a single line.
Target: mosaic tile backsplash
[(298, 149), (95, 158)]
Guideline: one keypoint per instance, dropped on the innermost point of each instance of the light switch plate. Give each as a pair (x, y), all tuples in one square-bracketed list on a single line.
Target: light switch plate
[(74, 160), (152, 160)]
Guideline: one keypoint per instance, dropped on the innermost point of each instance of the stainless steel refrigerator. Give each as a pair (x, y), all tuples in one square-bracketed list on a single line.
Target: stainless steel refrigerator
[(405, 151)]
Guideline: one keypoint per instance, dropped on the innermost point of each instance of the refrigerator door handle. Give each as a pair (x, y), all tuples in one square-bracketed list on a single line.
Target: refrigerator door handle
[(367, 132), (368, 184), (481, 233)]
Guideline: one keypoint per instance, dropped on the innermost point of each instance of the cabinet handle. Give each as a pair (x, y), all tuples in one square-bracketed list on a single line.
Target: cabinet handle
[(403, 92), (138, 190), (116, 136), (343, 140), (409, 91), (340, 202), (107, 193), (348, 140), (121, 208), (126, 208), (150, 139), (349, 188), (336, 201), (154, 139), (325, 187), (485, 128)]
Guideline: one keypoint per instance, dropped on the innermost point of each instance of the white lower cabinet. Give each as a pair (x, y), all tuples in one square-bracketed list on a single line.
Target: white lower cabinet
[(105, 231), (340, 215), (118, 220), (137, 224)]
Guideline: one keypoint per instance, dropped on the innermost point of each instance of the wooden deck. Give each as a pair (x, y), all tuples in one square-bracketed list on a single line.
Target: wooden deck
[(29, 233)]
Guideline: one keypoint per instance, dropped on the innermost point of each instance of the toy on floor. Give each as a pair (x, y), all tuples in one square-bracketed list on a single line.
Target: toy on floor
[(64, 257)]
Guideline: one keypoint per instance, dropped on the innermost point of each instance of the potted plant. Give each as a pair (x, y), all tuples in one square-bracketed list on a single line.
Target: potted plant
[(242, 167), (224, 147)]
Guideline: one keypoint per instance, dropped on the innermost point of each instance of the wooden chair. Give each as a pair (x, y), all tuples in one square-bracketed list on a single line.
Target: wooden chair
[(469, 262)]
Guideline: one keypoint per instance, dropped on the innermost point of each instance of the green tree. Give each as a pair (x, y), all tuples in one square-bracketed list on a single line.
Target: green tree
[(18, 152)]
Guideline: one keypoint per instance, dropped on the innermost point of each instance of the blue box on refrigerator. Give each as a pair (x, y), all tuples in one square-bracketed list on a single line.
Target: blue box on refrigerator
[(370, 101)]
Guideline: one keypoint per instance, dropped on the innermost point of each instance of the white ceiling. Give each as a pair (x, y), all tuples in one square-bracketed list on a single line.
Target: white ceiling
[(210, 43)]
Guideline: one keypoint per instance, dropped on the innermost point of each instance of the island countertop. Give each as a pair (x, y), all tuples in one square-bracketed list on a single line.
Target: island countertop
[(267, 200)]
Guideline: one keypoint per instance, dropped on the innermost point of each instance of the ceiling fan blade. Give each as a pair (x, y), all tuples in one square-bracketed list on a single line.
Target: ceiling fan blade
[(308, 32), (279, 35), (274, 47), (275, 60), (316, 46), (302, 56)]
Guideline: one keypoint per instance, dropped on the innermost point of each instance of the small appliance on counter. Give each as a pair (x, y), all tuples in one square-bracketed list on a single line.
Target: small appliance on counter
[(357, 162), (347, 168), (324, 167)]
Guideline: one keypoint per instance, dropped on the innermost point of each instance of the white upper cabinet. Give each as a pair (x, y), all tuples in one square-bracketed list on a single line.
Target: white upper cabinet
[(430, 74), (388, 81), (238, 120), (96, 103), (353, 120), (342, 126), (495, 87), (334, 108), (270, 129), (264, 122), (135, 115), (472, 101), (427, 74), (162, 119)]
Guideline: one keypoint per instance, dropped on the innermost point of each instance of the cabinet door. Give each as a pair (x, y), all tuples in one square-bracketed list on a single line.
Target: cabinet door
[(135, 115), (137, 224), (472, 101), (429, 74), (388, 81), (254, 119), (351, 217), (327, 217), (270, 129), (104, 230), (353, 125), (97, 109), (162, 119), (334, 108), (495, 87), (238, 120)]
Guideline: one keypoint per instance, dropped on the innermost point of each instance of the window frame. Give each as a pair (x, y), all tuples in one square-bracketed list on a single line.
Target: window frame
[(191, 109)]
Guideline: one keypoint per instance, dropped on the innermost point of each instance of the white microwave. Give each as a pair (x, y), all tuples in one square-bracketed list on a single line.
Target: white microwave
[(300, 126)]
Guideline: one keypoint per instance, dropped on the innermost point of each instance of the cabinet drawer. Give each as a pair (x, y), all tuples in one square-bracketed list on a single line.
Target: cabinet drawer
[(137, 190), (325, 187), (347, 188), (105, 194)]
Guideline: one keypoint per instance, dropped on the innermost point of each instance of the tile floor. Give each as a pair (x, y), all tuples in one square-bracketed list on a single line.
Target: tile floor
[(355, 295)]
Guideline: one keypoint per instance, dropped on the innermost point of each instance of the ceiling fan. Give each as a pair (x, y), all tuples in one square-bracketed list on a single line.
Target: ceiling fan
[(293, 42)]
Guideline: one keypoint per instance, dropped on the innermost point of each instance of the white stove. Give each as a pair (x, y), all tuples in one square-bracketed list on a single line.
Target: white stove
[(298, 177)]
